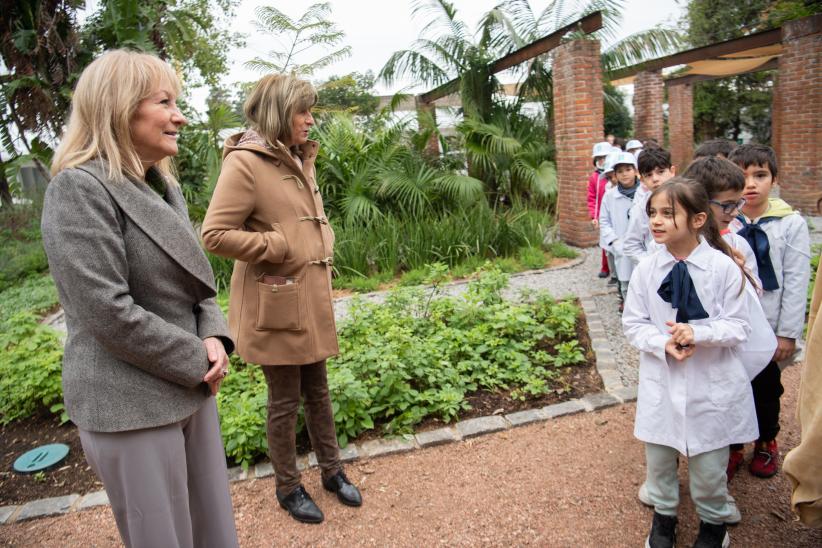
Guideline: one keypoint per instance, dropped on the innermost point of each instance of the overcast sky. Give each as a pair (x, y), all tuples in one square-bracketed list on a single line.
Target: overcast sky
[(376, 28)]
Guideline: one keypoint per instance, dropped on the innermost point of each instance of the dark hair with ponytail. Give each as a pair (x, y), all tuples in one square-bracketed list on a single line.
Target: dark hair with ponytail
[(693, 198)]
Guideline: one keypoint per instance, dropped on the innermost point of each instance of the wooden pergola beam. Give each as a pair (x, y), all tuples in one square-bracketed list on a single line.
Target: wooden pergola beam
[(692, 78), (756, 40), (588, 24)]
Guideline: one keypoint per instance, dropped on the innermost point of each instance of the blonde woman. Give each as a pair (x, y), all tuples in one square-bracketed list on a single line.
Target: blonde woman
[(267, 214), (147, 345)]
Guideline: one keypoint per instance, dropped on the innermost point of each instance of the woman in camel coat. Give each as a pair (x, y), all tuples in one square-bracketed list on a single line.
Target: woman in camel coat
[(267, 214)]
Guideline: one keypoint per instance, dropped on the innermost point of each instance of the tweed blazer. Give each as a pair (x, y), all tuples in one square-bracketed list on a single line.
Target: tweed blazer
[(138, 295)]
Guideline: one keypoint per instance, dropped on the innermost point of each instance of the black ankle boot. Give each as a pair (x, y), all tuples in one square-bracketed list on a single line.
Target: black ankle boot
[(300, 506), (663, 532), (347, 493), (712, 536)]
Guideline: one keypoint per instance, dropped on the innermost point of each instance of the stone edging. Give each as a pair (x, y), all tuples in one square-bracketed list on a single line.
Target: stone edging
[(615, 393)]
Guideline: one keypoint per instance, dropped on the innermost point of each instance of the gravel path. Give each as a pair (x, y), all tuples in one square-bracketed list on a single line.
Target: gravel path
[(571, 481)]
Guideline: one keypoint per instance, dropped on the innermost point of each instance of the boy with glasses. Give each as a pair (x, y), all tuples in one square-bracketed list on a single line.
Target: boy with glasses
[(781, 244)]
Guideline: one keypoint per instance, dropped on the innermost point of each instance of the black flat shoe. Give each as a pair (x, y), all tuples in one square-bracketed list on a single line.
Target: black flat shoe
[(346, 492), (299, 504)]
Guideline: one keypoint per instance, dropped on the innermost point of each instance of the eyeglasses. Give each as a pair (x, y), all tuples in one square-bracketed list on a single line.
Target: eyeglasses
[(729, 207)]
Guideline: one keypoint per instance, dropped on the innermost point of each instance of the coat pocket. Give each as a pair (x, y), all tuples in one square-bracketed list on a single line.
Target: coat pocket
[(279, 307)]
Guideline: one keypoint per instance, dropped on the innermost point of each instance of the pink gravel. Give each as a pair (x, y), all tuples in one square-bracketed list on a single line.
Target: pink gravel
[(567, 482)]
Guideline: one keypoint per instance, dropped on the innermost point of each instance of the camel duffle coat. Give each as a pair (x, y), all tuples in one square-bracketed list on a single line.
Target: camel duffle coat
[(267, 214)]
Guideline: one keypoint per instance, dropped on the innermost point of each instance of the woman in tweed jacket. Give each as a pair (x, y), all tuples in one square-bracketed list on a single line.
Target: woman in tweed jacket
[(147, 345)]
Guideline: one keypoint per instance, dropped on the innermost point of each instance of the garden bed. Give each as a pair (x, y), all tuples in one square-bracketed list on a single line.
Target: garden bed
[(74, 476)]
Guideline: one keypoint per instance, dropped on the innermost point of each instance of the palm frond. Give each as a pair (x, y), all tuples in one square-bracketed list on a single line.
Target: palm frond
[(462, 189), (641, 46), (412, 63)]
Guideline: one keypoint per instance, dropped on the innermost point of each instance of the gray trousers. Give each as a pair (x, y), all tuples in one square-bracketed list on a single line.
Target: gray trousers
[(168, 486), (706, 478)]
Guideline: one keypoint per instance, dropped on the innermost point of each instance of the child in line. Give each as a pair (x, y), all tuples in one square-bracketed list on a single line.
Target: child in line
[(610, 178), (613, 217), (633, 146), (724, 182), (714, 147), (596, 190), (779, 238), (655, 168), (686, 311)]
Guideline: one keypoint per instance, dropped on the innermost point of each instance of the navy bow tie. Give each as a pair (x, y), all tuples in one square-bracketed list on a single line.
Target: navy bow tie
[(678, 289), (757, 238)]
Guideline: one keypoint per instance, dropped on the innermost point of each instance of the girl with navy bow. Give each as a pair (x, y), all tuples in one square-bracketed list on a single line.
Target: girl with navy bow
[(686, 312)]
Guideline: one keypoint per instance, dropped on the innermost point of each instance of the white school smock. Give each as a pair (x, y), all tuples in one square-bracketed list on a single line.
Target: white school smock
[(704, 402), (638, 236), (790, 255), (613, 223), (758, 350)]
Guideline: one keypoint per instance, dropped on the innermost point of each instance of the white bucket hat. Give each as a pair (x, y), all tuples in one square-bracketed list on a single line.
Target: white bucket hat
[(625, 158), (633, 143), (601, 149)]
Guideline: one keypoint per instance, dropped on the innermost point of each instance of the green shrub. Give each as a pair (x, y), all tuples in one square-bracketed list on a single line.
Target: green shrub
[(30, 367), (531, 258), (417, 356), (559, 249), (241, 402), (36, 294), (21, 249), (414, 356), (362, 284), (416, 276)]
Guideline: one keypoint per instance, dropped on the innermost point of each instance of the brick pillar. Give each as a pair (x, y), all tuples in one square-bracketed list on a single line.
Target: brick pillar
[(649, 93), (432, 147), (776, 116), (681, 124), (800, 90), (578, 118)]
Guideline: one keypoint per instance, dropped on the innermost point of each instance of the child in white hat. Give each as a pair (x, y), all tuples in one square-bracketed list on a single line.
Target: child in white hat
[(596, 190)]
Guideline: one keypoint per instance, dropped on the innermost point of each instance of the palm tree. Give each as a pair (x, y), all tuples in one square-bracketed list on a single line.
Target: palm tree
[(513, 154), (515, 25), (366, 175), (453, 52), (311, 29)]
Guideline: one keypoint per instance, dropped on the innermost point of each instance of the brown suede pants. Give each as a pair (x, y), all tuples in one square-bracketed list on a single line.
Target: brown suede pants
[(285, 385)]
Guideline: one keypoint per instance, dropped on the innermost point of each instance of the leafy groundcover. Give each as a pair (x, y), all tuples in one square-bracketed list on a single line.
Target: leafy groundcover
[(420, 356)]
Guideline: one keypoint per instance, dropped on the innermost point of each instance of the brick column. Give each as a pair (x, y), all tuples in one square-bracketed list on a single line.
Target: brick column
[(649, 93), (800, 91), (681, 124), (578, 118), (776, 116), (432, 147)]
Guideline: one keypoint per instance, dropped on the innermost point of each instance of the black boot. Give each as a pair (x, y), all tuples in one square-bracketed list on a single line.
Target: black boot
[(712, 536), (300, 506), (347, 493), (663, 532)]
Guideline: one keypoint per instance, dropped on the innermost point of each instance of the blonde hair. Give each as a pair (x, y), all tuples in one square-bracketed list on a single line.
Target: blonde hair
[(106, 97), (274, 101)]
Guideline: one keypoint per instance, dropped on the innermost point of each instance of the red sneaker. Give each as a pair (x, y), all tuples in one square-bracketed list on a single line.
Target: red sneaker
[(765, 462), (735, 460)]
